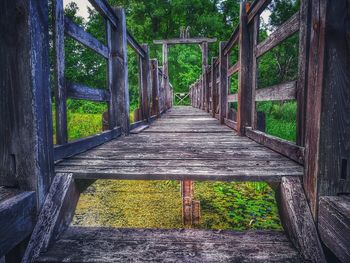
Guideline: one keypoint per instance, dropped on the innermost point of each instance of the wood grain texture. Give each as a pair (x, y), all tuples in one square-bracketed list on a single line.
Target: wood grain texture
[(175, 41), (82, 92), (156, 245), (287, 29), (223, 88), (281, 92), (297, 220), (79, 34), (54, 217), (156, 105), (334, 225), (257, 8), (105, 10), (146, 84), (17, 217)]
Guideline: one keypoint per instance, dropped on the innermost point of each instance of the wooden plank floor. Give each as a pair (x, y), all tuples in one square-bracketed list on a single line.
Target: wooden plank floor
[(79, 244), (186, 143)]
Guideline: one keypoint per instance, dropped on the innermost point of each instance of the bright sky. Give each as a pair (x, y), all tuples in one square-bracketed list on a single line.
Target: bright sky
[(83, 6)]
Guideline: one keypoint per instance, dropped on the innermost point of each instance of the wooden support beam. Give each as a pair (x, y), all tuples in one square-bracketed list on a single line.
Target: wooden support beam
[(297, 220), (166, 75), (146, 84), (105, 10), (187, 198), (205, 99), (26, 136), (155, 88), (82, 92), (59, 62), (281, 92), (223, 90), (120, 72), (17, 218), (334, 225), (214, 87), (328, 109), (55, 216), (244, 78), (198, 40)]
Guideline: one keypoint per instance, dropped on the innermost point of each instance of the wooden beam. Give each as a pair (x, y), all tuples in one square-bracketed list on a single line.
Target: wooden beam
[(156, 106), (105, 10), (135, 45), (281, 92), (16, 219), (146, 84), (283, 32), (198, 40), (59, 62), (223, 88), (281, 146), (82, 92), (120, 72), (334, 225), (297, 220), (205, 94), (233, 40), (55, 216), (79, 34), (82, 145), (230, 123), (234, 69), (166, 85), (328, 108), (244, 111), (214, 87), (257, 8)]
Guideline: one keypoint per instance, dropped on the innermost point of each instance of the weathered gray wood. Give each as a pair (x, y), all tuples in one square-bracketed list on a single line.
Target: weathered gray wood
[(55, 216), (280, 92), (79, 34), (198, 40), (17, 218), (156, 104), (283, 32), (105, 10), (146, 84), (139, 129), (120, 72), (161, 245), (334, 225), (234, 69), (165, 82), (59, 62), (82, 145), (298, 221), (205, 99), (223, 88), (232, 124), (257, 8), (26, 147), (328, 96), (135, 45), (244, 76), (214, 87), (284, 147), (233, 40), (82, 92)]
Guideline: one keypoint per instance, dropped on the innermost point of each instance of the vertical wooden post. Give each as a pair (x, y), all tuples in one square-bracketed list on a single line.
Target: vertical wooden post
[(26, 135), (145, 84), (119, 109), (59, 62), (187, 198), (327, 151), (166, 76), (155, 88), (244, 111), (205, 98), (213, 87), (223, 89)]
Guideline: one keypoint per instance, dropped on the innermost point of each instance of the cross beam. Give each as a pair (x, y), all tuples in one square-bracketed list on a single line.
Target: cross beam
[(175, 41)]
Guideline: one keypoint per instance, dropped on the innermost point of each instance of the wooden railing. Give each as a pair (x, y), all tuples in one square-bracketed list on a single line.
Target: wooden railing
[(215, 95), (152, 101)]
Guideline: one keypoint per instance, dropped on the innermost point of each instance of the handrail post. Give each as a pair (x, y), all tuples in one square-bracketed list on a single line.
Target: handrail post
[(118, 73), (145, 83), (244, 112), (204, 48), (223, 88), (213, 87), (155, 88)]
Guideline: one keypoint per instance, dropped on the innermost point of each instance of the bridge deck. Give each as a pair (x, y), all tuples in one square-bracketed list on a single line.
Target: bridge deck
[(186, 143)]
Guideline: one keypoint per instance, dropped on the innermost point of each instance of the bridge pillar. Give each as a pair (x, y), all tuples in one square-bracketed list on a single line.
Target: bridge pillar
[(223, 88)]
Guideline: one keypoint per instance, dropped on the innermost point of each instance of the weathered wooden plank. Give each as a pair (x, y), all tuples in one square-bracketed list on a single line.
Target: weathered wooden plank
[(280, 92), (298, 221), (139, 129), (17, 218), (233, 40), (283, 32), (82, 145), (244, 110), (120, 84), (79, 34), (55, 216), (232, 98), (230, 123), (161, 245), (334, 225), (223, 88), (105, 10), (82, 92), (281, 146), (175, 41), (205, 99), (156, 105), (234, 69), (145, 84), (257, 8), (59, 62), (135, 45)]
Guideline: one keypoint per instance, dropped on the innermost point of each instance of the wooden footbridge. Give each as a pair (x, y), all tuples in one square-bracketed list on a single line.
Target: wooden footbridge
[(40, 182)]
